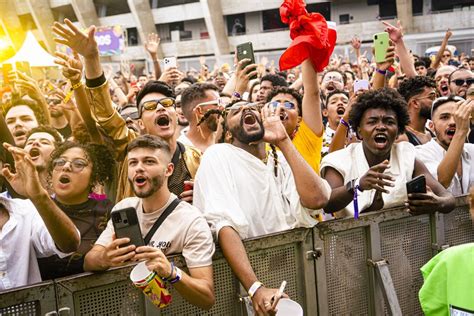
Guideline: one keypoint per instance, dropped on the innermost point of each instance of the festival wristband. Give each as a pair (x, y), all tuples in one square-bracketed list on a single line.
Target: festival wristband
[(171, 273), (237, 95), (343, 122), (355, 200), (177, 278), (77, 85), (255, 286), (382, 72)]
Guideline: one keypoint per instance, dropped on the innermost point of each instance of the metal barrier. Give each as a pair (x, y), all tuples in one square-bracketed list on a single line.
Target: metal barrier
[(337, 268)]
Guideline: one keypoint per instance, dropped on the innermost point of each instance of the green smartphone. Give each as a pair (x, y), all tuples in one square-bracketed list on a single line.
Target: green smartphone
[(381, 43)]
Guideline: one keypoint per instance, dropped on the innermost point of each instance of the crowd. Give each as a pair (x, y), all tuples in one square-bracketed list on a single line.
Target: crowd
[(220, 156)]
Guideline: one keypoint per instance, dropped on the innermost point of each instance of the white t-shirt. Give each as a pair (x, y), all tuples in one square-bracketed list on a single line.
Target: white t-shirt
[(184, 231), (234, 188), (351, 163), (23, 239), (183, 139), (431, 155)]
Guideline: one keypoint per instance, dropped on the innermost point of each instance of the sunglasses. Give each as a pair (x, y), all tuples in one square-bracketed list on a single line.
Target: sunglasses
[(151, 105), (460, 82), (77, 165), (54, 101), (287, 105), (217, 102), (241, 104), (132, 115), (446, 55)]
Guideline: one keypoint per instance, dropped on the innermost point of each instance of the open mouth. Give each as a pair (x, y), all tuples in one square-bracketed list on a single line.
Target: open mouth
[(64, 179), (444, 87), (140, 180), (330, 88), (381, 140), (19, 133), (34, 152), (163, 120), (340, 110), (450, 132), (249, 118), (283, 116)]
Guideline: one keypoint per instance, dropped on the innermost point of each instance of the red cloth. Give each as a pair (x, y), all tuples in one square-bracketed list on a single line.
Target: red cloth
[(312, 38)]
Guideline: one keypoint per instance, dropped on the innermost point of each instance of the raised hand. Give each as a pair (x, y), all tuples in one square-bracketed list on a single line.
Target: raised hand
[(70, 35), (152, 43), (72, 66), (462, 116), (243, 73), (394, 32), (27, 84), (274, 130), (355, 43), (389, 58), (374, 178), (25, 181)]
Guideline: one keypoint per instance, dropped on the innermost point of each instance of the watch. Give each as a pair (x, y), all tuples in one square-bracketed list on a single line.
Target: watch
[(351, 185)]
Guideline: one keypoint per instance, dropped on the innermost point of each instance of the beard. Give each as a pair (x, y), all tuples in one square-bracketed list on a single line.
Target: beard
[(425, 113), (243, 136), (155, 184), (56, 113)]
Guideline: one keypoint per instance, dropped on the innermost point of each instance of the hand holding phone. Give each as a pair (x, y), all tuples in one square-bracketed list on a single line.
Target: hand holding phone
[(417, 185), (245, 51), (170, 62), (381, 44), (361, 84), (126, 225)]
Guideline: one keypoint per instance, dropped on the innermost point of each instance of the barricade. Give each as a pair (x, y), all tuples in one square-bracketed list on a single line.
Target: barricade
[(336, 268)]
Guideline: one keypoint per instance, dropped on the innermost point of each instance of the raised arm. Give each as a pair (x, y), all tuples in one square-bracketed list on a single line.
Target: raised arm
[(311, 100), (435, 63), (379, 75), (448, 166), (151, 46), (312, 190), (26, 179), (396, 36)]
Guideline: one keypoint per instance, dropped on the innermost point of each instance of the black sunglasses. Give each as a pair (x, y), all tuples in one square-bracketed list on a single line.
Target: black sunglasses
[(460, 82), (132, 115)]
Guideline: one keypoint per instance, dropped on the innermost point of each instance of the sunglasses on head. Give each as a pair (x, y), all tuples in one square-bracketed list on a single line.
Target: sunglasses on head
[(216, 102), (151, 105), (287, 105), (460, 82)]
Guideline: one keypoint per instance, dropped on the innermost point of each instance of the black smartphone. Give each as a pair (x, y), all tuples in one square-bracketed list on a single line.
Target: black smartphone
[(417, 185), (126, 225), (245, 50)]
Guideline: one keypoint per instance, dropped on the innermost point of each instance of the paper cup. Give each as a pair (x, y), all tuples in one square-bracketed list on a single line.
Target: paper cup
[(288, 307), (151, 284)]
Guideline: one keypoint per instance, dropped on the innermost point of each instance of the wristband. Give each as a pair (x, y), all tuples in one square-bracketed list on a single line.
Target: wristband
[(77, 85), (382, 72), (237, 95), (177, 278), (255, 286), (343, 122), (171, 273)]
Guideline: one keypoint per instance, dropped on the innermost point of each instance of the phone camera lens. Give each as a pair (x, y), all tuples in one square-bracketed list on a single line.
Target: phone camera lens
[(125, 221), (376, 36)]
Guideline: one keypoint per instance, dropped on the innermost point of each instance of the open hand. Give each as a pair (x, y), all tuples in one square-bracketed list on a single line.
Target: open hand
[(375, 179), (26, 180), (275, 132), (72, 66), (152, 43), (70, 35)]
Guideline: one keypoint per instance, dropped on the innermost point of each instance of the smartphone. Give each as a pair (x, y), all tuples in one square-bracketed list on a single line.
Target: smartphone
[(417, 185), (126, 224), (6, 68), (361, 84), (170, 62), (381, 43), (245, 50)]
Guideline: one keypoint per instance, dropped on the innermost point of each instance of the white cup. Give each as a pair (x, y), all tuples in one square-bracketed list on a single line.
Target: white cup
[(287, 307)]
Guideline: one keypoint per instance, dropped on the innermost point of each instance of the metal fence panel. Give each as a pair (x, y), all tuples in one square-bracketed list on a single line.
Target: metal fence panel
[(406, 245), (30, 300), (458, 227)]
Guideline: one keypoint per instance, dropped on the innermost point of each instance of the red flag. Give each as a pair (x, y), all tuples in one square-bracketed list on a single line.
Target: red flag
[(311, 35)]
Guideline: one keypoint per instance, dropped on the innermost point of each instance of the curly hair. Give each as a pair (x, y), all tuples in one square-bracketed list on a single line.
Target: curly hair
[(276, 80), (386, 98), (17, 101), (285, 90), (414, 86), (103, 162)]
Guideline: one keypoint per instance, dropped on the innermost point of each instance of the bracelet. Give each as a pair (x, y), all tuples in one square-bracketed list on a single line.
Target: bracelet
[(171, 273), (177, 278), (237, 95), (77, 85), (343, 122), (255, 286), (382, 72)]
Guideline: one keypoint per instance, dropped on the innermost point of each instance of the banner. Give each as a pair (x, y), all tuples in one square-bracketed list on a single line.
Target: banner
[(110, 39)]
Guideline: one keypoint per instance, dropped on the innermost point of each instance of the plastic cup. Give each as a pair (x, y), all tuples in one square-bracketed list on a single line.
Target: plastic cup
[(151, 284), (289, 307)]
